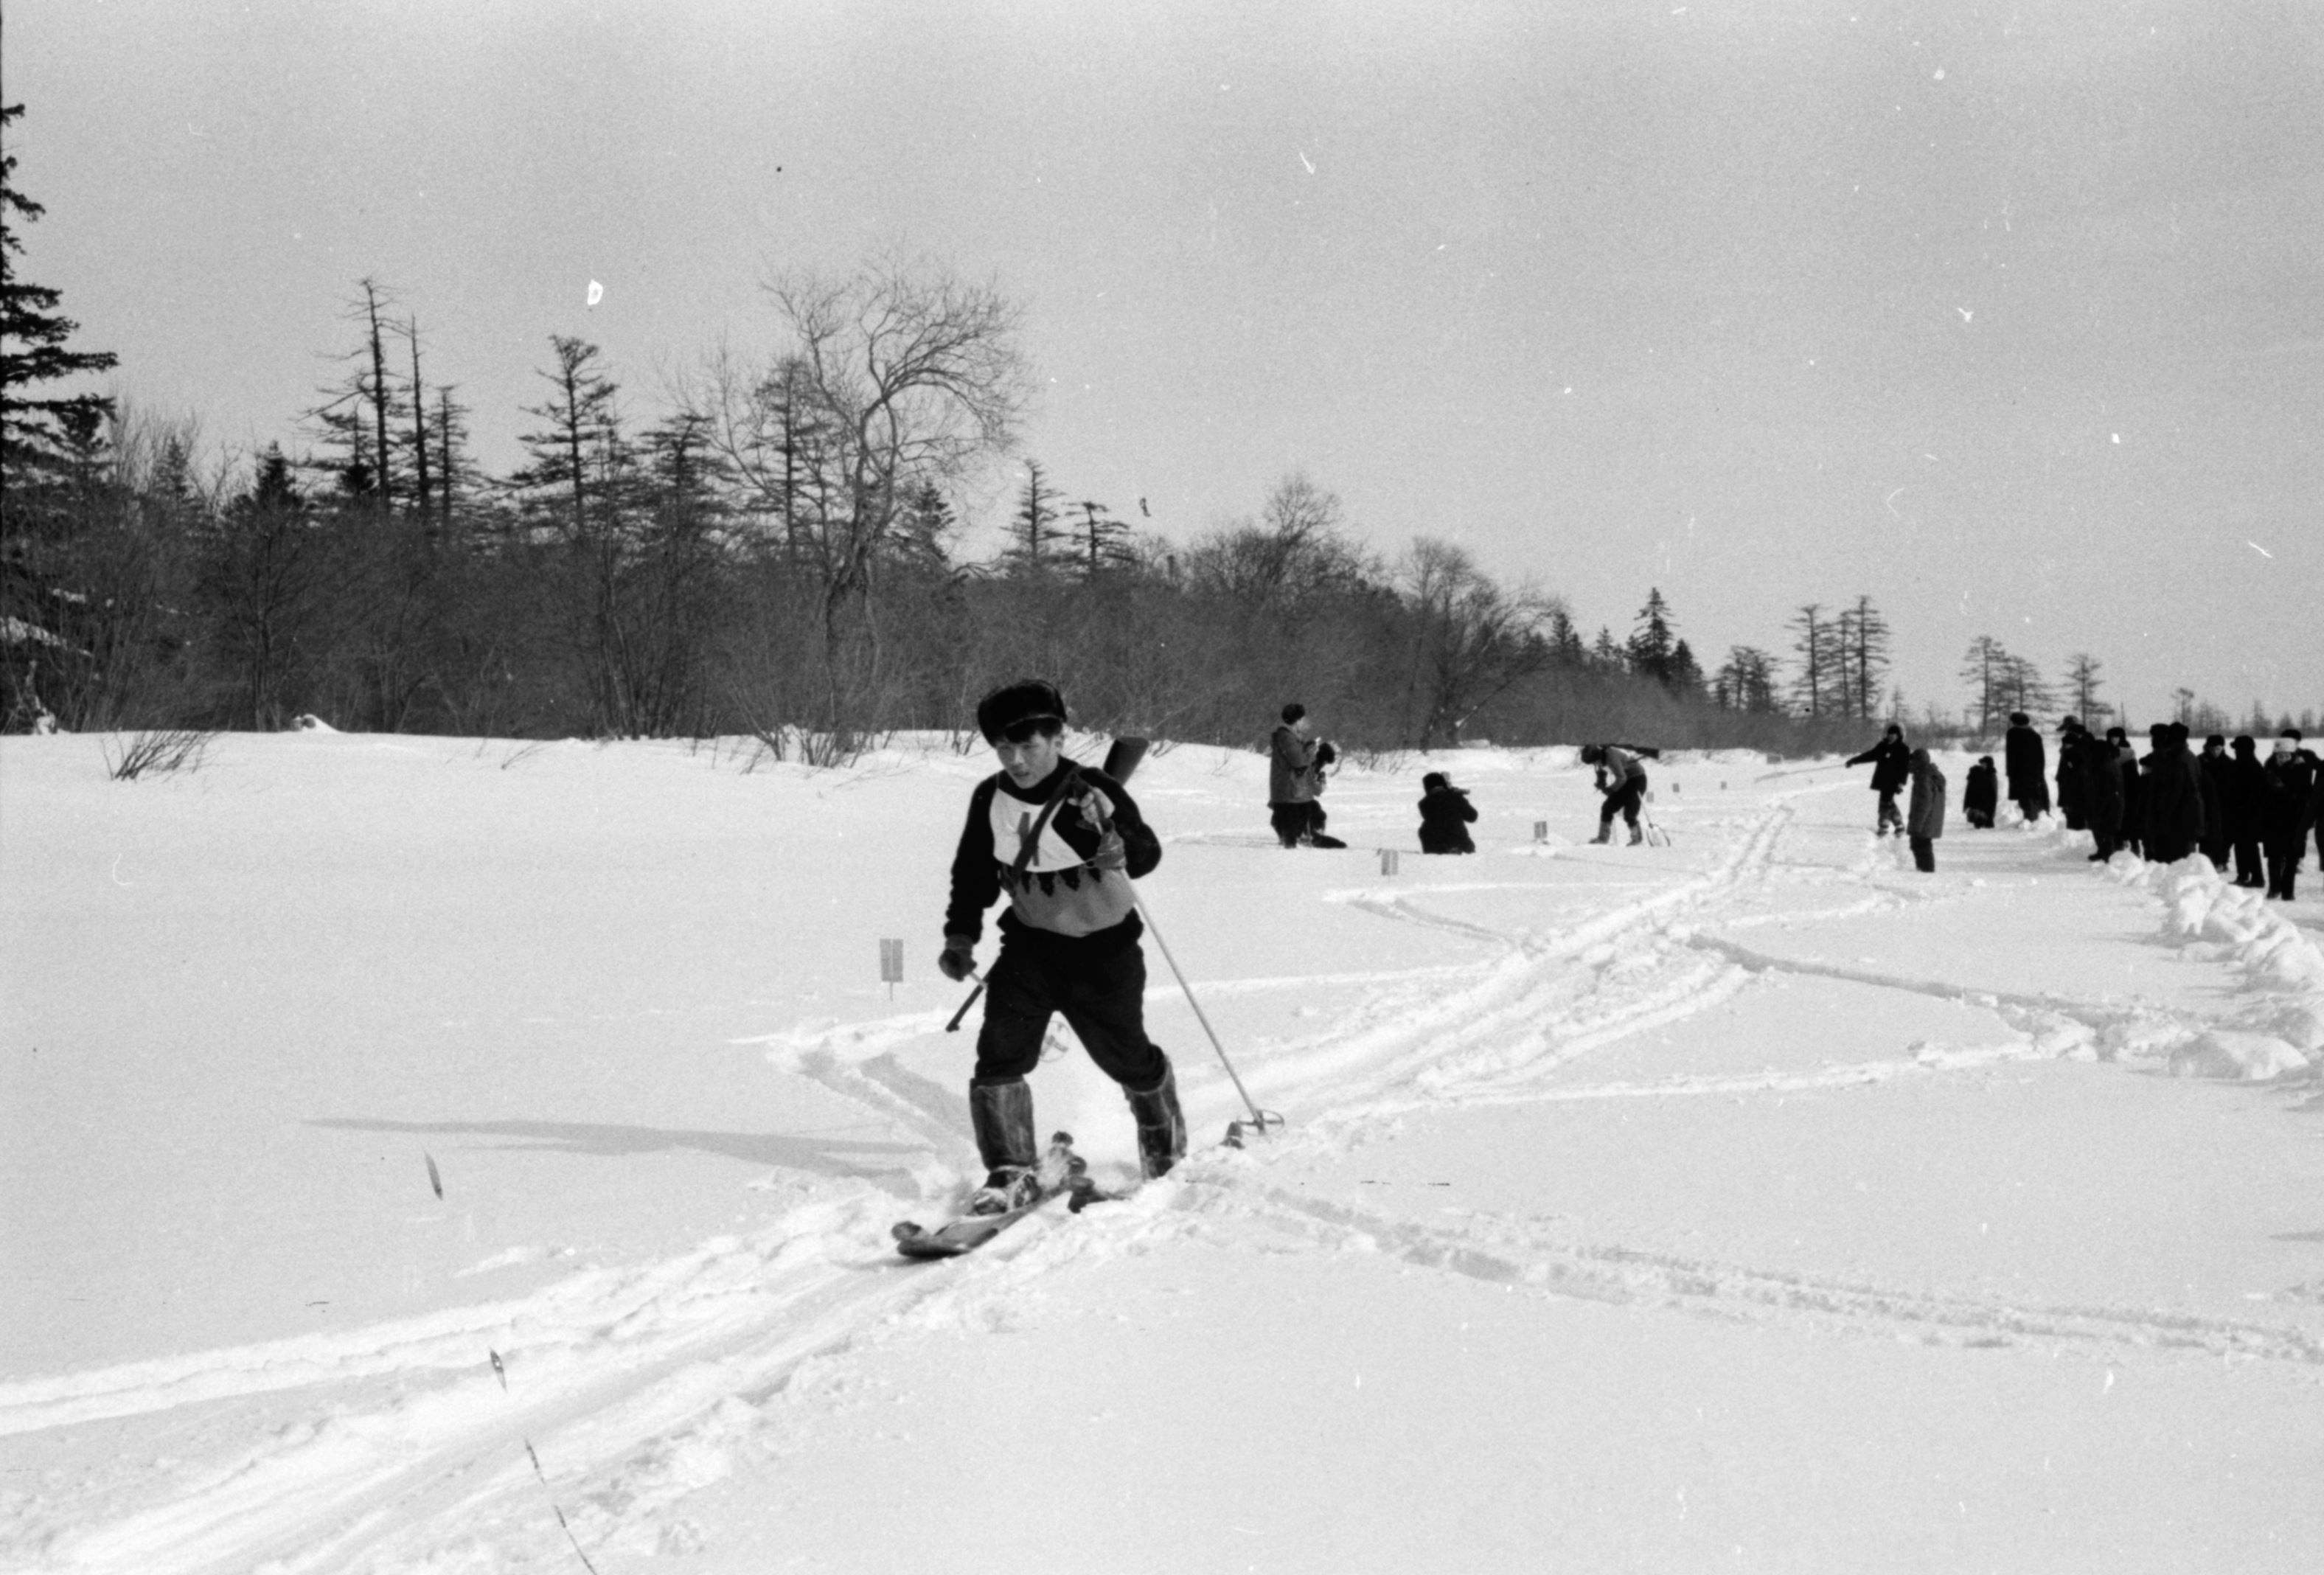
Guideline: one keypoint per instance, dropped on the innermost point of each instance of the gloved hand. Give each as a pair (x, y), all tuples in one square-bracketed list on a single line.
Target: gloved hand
[(1111, 853), (957, 960)]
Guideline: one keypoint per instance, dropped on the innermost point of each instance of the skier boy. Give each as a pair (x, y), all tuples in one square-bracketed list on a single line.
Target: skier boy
[(1064, 840)]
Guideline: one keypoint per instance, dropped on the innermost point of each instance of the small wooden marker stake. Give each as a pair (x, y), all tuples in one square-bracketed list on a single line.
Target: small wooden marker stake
[(891, 966), (1387, 860)]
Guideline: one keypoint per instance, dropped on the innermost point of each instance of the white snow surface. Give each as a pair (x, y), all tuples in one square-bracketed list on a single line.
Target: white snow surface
[(1753, 1202)]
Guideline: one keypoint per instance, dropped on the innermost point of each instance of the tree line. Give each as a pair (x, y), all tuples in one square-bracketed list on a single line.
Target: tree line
[(774, 550)]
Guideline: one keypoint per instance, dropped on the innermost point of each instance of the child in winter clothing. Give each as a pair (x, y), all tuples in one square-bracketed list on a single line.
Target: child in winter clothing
[(1063, 841), (1925, 820), (1444, 814), (1891, 764)]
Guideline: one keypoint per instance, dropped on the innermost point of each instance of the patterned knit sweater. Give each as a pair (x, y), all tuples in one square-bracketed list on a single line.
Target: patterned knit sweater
[(1062, 895)]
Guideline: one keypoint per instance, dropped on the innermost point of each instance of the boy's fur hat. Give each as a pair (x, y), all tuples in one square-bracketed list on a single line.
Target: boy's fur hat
[(1026, 700)]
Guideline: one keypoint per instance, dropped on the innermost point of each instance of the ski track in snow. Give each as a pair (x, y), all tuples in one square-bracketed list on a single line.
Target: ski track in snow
[(633, 1386)]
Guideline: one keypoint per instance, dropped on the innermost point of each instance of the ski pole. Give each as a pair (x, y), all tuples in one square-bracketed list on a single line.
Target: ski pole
[(953, 1026), (1260, 1120)]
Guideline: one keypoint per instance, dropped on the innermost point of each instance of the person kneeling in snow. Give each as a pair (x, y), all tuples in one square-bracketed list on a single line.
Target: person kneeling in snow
[(1622, 779), (1064, 841), (1981, 793), (1924, 818), (1444, 814)]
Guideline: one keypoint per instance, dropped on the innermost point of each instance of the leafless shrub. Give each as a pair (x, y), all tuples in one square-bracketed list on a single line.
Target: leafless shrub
[(157, 752)]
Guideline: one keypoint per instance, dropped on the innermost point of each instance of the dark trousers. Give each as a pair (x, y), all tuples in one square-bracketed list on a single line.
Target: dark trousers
[(1623, 801), (1891, 818), (1103, 998), (1296, 823), (1924, 854), (2250, 870), (2166, 850), (2284, 856)]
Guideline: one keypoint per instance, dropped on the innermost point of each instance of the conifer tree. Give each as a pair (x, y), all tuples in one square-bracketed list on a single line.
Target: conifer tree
[(33, 346), (1652, 646)]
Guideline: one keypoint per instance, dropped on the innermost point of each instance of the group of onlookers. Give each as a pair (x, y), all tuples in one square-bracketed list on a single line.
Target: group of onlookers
[(2170, 802)]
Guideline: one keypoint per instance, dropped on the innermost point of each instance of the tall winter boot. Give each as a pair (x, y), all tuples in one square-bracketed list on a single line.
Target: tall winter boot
[(1002, 1115), (1637, 835), (1161, 1125), (1605, 832)]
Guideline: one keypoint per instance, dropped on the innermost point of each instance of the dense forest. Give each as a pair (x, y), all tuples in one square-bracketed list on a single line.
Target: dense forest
[(775, 551)]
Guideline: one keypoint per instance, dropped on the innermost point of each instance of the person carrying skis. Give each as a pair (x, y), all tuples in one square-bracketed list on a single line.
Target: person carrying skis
[(1063, 841), (1892, 765), (1622, 779), (1446, 813)]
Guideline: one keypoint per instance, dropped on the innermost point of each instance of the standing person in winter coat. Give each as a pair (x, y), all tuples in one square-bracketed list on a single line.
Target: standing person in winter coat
[(2026, 767), (1445, 813), (1063, 841), (2284, 817), (2173, 796), (1295, 778), (1924, 821), (2072, 765), (1622, 779), (2133, 804), (1892, 766), (2246, 802), (1981, 793), (2099, 767), (2212, 763)]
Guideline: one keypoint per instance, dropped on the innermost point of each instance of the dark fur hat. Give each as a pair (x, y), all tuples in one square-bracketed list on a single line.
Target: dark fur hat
[(1026, 700)]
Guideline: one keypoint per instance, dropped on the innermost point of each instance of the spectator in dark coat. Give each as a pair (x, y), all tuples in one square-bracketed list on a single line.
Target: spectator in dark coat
[(2072, 765), (2213, 765), (2027, 767), (1892, 767), (1925, 821), (2245, 799), (1445, 813), (2099, 766), (2172, 796), (2284, 817), (1981, 793), (2133, 804)]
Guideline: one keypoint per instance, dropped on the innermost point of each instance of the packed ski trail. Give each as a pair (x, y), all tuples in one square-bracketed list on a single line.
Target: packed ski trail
[(589, 1415)]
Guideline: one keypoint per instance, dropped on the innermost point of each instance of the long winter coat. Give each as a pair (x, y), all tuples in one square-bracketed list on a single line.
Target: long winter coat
[(1924, 813), (2171, 797), (1445, 815), (2025, 763), (1290, 770), (2243, 794), (1892, 764), (2133, 792), (2211, 771), (2101, 770), (2073, 776), (2291, 784), (1981, 793)]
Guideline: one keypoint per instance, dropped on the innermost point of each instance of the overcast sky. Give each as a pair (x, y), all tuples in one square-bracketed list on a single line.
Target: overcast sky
[(2010, 317)]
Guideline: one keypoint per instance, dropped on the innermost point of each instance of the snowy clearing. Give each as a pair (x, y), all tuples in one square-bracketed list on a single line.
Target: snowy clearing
[(428, 1156)]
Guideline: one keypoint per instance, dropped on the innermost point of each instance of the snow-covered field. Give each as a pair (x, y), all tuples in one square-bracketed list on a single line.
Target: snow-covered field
[(1752, 1202)]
